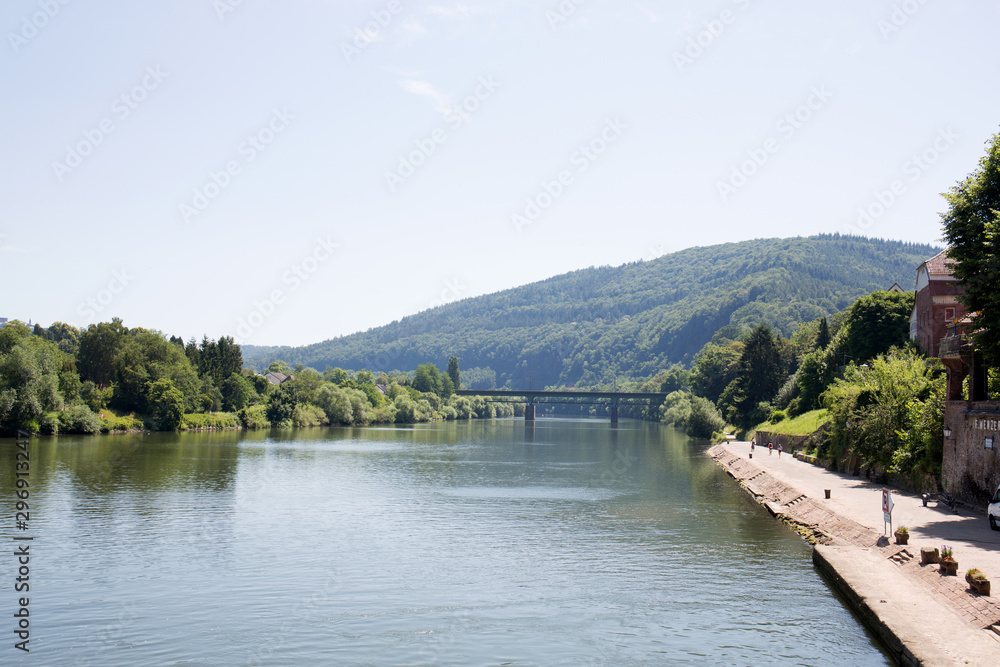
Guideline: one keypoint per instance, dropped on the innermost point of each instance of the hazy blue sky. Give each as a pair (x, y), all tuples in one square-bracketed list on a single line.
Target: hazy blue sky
[(287, 172)]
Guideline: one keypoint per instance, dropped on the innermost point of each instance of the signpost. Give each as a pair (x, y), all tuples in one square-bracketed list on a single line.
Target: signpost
[(887, 508)]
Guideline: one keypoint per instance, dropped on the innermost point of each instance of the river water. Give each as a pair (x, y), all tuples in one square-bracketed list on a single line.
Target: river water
[(474, 543)]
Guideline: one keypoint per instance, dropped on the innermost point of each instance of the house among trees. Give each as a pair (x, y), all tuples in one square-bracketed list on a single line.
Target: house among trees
[(937, 306), (278, 378)]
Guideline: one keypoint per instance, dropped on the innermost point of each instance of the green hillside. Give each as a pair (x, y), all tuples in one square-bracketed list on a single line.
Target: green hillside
[(592, 325)]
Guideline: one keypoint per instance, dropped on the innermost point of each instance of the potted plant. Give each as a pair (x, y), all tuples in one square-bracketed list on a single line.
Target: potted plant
[(948, 563), (902, 535), (978, 581)]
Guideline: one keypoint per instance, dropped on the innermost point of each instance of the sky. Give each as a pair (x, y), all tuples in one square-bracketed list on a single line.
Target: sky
[(288, 172)]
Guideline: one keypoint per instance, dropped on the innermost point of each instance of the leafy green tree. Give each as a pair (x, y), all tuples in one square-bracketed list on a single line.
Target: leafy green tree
[(972, 230), (875, 323), (714, 369), (454, 373), (823, 337), (237, 393), (871, 407), (760, 373), (166, 403), (29, 378), (813, 377), (704, 419), (99, 346), (427, 379), (281, 404)]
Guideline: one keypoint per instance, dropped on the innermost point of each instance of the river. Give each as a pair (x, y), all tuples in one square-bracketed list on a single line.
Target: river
[(477, 543)]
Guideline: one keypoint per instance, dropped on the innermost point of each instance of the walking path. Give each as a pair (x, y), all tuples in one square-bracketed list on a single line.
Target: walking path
[(851, 522)]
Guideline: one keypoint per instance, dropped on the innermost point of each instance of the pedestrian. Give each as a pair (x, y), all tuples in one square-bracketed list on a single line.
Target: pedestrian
[(770, 448), (752, 443), (780, 448)]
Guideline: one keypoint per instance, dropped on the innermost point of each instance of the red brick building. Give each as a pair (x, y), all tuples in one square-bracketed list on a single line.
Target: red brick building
[(936, 305)]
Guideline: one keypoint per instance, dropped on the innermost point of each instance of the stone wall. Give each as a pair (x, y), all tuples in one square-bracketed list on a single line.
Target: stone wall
[(970, 469), (788, 442)]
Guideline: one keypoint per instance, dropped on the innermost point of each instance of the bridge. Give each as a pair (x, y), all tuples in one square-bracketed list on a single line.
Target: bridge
[(532, 396)]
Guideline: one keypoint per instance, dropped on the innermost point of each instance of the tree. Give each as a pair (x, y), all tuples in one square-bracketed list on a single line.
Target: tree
[(759, 376), (875, 323), (281, 404), (454, 373), (99, 345), (237, 393), (427, 379), (972, 230), (714, 369), (823, 337), (29, 378), (166, 403)]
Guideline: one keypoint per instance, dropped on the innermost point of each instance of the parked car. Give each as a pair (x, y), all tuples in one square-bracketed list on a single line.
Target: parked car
[(993, 510)]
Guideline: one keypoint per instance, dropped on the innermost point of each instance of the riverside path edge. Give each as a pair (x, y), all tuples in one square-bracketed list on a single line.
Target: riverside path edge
[(914, 625)]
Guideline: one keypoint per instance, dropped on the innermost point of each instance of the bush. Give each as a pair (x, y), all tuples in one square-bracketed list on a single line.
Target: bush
[(79, 419), (777, 416), (109, 424), (306, 414), (219, 420), (49, 423), (254, 416)]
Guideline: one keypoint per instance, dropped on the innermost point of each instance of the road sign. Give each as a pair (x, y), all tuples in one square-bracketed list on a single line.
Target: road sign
[(887, 506)]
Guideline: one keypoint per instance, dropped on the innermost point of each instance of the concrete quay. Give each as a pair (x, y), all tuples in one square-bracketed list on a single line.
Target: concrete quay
[(921, 616)]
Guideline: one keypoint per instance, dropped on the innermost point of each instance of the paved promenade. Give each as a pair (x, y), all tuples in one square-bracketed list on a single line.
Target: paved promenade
[(852, 519)]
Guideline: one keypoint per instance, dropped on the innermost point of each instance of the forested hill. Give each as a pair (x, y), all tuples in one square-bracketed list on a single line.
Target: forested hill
[(590, 325)]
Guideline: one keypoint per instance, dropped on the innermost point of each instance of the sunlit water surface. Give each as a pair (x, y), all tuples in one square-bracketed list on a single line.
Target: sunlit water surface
[(482, 543)]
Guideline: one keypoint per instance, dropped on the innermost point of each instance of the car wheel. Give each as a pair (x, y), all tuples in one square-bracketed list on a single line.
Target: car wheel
[(993, 523)]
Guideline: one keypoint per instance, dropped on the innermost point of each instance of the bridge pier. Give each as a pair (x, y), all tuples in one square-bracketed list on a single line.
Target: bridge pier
[(614, 414), (529, 412)]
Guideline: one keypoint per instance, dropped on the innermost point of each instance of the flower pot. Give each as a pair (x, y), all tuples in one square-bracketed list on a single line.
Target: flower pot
[(901, 538), (981, 586), (949, 567), (929, 556)]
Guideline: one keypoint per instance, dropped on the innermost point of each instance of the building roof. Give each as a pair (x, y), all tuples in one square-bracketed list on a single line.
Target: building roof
[(278, 378), (940, 264)]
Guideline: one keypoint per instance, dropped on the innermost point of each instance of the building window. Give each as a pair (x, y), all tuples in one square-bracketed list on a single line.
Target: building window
[(949, 314)]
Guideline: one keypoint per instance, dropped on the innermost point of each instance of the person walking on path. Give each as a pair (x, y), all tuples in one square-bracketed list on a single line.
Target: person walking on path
[(752, 443), (770, 448), (779, 450)]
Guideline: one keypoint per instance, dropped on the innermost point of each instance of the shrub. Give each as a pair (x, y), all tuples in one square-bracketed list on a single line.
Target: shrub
[(79, 419), (49, 423), (777, 416), (306, 414), (254, 416), (218, 420), (130, 423)]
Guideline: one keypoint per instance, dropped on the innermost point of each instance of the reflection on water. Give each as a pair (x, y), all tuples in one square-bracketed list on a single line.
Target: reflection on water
[(562, 542)]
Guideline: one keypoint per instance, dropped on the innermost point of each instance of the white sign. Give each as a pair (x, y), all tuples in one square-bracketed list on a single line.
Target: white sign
[(887, 505)]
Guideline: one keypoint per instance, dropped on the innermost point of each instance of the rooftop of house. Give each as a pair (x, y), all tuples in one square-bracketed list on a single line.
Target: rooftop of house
[(940, 264)]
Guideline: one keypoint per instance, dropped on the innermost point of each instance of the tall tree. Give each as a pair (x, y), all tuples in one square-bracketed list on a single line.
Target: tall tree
[(760, 374), (823, 337), (453, 373), (972, 230), (99, 346), (877, 322)]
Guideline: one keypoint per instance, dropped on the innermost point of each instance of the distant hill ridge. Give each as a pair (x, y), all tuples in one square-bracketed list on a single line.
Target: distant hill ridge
[(590, 325)]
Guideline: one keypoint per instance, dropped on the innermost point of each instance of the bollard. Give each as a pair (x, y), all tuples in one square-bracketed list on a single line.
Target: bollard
[(827, 492)]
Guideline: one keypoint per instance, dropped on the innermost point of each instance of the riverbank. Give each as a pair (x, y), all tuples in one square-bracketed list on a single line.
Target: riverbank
[(921, 616)]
